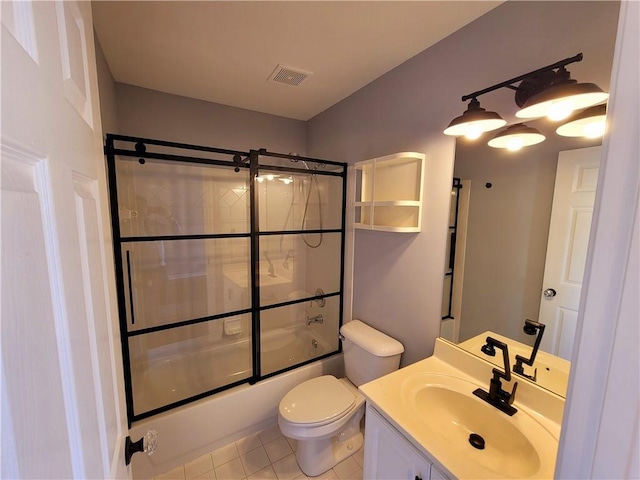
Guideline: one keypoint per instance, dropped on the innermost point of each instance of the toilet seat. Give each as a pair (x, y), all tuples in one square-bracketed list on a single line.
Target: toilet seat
[(317, 402)]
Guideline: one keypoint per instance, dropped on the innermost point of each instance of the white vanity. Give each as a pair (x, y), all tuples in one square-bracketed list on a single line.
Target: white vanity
[(424, 422)]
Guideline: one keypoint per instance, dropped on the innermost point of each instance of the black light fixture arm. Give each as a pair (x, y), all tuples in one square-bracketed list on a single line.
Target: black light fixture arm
[(509, 83)]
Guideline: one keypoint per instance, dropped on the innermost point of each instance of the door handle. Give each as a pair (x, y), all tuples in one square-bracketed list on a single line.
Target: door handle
[(133, 318), (549, 293)]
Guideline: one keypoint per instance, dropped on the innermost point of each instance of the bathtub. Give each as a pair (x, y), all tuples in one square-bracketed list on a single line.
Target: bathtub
[(188, 432)]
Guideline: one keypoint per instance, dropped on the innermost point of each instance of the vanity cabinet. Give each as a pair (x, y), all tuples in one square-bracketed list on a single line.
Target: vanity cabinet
[(389, 192), (389, 455)]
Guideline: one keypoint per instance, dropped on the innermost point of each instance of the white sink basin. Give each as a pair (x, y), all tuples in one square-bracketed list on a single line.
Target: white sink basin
[(431, 403), (447, 408)]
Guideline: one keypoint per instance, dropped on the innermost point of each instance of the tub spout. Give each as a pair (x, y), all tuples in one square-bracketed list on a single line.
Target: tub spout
[(316, 319)]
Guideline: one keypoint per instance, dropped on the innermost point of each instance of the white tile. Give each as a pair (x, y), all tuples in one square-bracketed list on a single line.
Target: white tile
[(198, 467), (278, 449), (328, 475), (359, 457), (224, 455), (292, 443), (270, 433), (231, 470), (264, 474), (210, 475), (287, 468), (255, 460), (175, 474), (355, 475), (248, 443), (346, 467)]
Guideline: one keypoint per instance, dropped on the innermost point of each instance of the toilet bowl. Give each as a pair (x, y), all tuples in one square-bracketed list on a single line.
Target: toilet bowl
[(323, 414)]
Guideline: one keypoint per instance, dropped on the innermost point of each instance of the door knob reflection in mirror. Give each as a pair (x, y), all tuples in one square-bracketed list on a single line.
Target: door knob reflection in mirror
[(549, 293)]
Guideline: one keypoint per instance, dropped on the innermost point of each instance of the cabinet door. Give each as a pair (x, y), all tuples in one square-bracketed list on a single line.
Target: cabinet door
[(388, 455)]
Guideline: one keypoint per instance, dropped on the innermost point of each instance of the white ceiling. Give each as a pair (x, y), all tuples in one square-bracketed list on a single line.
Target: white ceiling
[(225, 52)]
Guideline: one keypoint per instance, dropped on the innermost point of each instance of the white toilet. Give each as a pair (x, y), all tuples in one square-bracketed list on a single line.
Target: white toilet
[(324, 413)]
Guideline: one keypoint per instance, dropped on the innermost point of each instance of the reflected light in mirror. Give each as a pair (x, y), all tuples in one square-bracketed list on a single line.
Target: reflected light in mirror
[(515, 137), (591, 123)]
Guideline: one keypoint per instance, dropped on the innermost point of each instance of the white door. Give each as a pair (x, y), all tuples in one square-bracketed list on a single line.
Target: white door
[(573, 199), (62, 402)]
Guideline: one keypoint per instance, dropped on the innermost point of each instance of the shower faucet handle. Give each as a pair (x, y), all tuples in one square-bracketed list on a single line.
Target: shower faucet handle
[(316, 319), (321, 301)]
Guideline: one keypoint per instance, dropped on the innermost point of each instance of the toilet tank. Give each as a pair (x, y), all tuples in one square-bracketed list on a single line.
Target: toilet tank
[(368, 353)]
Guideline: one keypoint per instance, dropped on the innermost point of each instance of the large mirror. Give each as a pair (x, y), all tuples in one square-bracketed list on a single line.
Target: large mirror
[(504, 213), (502, 204)]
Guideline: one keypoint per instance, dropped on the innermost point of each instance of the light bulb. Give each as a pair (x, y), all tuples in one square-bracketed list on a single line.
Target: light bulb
[(473, 132), (560, 110), (270, 177), (594, 129), (260, 179), (514, 144)]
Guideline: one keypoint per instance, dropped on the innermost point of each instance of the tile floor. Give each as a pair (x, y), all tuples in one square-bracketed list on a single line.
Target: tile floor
[(266, 455)]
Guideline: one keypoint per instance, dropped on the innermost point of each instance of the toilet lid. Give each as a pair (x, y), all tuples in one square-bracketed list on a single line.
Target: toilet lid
[(316, 401)]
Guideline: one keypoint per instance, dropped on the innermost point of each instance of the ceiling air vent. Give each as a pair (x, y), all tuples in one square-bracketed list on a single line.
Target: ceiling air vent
[(289, 75)]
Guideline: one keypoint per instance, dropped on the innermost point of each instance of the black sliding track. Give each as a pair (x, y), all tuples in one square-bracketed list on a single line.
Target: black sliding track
[(120, 150)]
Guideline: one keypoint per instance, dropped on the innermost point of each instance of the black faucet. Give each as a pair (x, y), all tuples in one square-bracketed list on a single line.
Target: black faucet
[(488, 349), (530, 328), (496, 396)]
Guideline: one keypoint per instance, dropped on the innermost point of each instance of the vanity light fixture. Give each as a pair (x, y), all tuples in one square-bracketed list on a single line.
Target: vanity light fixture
[(549, 91), (590, 123), (474, 122), (560, 97)]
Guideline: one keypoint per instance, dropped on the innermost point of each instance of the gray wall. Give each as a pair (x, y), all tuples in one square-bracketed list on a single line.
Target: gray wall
[(398, 277), (153, 114), (107, 89)]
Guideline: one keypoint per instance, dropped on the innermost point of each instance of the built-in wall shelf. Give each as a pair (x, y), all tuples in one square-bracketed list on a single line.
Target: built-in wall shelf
[(389, 193)]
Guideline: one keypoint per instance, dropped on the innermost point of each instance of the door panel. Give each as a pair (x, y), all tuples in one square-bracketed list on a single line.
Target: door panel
[(62, 395), (29, 328), (573, 199)]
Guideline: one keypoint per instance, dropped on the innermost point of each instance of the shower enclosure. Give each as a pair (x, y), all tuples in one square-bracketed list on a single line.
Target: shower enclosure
[(229, 266)]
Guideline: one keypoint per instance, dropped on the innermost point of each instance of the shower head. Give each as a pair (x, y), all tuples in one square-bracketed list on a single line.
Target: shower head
[(295, 157)]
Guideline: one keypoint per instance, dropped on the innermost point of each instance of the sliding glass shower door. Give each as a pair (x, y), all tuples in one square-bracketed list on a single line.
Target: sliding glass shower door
[(229, 266), (301, 243)]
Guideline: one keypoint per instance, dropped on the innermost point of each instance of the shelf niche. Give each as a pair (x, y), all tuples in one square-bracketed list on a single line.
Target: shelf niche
[(389, 193)]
